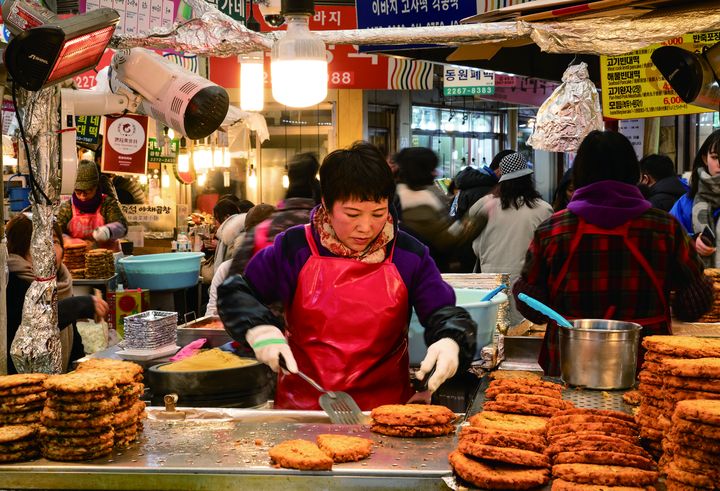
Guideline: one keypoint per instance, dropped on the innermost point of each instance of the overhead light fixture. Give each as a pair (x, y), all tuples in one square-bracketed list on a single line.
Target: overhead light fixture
[(252, 81), (694, 76), (183, 157), (299, 65), (202, 179), (45, 50), (252, 177), (285, 178)]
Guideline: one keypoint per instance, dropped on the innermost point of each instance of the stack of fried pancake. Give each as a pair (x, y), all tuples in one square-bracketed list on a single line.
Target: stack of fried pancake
[(74, 259), (330, 448), (673, 371), (692, 447), (598, 447), (527, 395), (412, 420), (18, 443), (78, 416), (99, 263), (501, 458), (713, 315), (22, 397), (127, 416)]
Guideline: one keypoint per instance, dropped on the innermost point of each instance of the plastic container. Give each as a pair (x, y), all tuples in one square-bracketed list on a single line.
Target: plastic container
[(599, 354), (483, 313), (19, 196), (157, 272)]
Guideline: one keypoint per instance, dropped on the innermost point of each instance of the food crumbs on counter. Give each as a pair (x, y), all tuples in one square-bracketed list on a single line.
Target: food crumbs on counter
[(606, 394), (258, 442)]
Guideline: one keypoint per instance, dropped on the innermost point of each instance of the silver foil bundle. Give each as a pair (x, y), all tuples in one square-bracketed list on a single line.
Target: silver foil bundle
[(572, 111), (36, 346)]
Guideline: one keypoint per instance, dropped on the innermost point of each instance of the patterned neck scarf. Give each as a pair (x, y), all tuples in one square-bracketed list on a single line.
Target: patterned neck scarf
[(373, 254)]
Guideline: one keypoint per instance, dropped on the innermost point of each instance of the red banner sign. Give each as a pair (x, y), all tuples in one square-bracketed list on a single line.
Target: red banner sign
[(125, 144)]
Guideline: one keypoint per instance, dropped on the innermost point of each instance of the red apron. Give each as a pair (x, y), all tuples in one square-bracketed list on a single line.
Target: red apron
[(347, 328), (81, 224), (549, 354)]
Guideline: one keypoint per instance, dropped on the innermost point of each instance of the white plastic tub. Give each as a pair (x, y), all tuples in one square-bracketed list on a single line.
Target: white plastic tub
[(483, 313)]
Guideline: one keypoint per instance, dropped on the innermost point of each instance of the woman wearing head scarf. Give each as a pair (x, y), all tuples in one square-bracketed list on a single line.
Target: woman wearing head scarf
[(70, 309), (91, 215), (610, 255), (347, 281)]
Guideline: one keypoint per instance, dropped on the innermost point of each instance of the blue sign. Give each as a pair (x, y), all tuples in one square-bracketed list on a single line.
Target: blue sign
[(410, 13)]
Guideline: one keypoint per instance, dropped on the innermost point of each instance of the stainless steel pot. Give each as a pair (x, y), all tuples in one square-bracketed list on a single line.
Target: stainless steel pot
[(599, 354)]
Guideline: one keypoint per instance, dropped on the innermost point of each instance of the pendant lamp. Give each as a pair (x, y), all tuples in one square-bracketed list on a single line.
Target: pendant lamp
[(252, 83), (298, 61)]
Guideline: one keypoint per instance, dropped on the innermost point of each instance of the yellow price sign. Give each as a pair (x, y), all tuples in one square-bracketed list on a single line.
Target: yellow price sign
[(632, 87)]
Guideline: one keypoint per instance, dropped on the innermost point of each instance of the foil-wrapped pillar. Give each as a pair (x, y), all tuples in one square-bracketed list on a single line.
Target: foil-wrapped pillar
[(36, 346)]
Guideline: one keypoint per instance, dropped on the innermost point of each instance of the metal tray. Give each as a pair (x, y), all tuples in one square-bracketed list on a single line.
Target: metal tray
[(190, 331)]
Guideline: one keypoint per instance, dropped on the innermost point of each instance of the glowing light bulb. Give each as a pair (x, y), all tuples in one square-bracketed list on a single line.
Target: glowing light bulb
[(165, 180), (252, 178), (202, 179), (252, 81), (143, 179), (184, 162)]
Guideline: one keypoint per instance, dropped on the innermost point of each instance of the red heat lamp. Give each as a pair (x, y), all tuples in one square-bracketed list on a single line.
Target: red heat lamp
[(46, 50)]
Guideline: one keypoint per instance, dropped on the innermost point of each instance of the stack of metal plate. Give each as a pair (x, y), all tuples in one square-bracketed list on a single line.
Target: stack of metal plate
[(150, 330)]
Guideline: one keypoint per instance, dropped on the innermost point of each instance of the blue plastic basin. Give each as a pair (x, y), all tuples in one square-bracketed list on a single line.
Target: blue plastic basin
[(157, 272), (483, 313)]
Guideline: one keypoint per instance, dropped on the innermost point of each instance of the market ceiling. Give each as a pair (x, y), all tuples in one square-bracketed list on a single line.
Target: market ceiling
[(212, 33)]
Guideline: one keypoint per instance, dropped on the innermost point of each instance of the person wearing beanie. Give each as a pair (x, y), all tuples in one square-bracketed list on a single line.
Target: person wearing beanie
[(610, 254), (508, 217), (91, 215)]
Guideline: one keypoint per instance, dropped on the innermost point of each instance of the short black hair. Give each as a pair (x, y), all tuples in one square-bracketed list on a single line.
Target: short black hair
[(711, 144), (19, 233), (359, 172), (416, 166), (605, 155), (497, 158), (657, 166), (225, 208)]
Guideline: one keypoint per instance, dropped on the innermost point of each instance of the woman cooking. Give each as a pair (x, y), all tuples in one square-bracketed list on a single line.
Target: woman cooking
[(347, 280), (610, 255), (91, 215)]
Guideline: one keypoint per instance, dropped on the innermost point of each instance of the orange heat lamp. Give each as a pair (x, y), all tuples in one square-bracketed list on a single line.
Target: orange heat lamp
[(45, 50)]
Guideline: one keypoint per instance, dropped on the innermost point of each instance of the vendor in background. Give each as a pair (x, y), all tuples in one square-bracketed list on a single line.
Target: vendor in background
[(91, 215), (70, 309), (610, 255), (348, 281)]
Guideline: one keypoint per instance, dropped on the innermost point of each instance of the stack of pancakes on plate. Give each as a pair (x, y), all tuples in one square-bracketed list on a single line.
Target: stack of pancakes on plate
[(22, 397), (99, 264), (671, 373), (713, 315), (18, 443), (528, 395), (412, 420), (78, 416), (74, 259), (127, 415), (598, 447)]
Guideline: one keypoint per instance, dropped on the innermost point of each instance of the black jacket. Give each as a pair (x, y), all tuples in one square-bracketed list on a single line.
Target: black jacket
[(473, 185), (69, 310), (664, 193)]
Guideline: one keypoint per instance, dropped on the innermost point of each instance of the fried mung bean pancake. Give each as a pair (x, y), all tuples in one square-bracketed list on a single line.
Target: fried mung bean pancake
[(696, 367), (609, 445), (412, 415), (492, 392), (17, 432), (63, 432), (535, 399), (632, 397), (18, 446), (592, 435), (344, 448), (610, 475), (589, 418), (693, 440), (60, 455), (79, 441), (514, 374), (563, 485), (700, 429), (690, 452), (22, 390), (520, 408), (673, 485), (21, 408), (19, 418), (696, 467), (604, 458), (510, 422), (676, 473), (23, 399), (598, 427), (300, 454), (508, 455), (412, 431), (702, 411), (80, 382), (526, 382), (79, 398), (112, 365), (50, 418), (20, 456), (496, 476), (683, 346), (500, 438), (599, 412), (22, 379), (97, 407)]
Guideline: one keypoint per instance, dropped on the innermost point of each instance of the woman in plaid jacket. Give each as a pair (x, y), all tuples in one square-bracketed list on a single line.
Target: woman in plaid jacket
[(610, 255)]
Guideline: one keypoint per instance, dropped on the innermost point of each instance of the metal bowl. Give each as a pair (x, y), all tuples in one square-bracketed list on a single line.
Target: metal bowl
[(599, 353)]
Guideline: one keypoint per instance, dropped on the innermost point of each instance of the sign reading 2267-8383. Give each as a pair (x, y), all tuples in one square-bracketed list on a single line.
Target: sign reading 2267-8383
[(468, 81)]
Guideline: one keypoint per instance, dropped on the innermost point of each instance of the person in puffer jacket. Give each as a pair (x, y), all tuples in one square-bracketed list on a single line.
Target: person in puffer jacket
[(348, 281)]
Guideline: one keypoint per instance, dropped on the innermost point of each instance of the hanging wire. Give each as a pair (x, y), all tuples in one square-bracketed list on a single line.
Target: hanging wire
[(318, 131), (285, 125)]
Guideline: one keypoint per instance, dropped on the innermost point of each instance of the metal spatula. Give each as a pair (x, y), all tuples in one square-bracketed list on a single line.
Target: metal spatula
[(340, 406)]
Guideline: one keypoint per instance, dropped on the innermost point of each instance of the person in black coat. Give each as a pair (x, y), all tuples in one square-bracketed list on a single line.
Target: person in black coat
[(664, 187), (21, 275)]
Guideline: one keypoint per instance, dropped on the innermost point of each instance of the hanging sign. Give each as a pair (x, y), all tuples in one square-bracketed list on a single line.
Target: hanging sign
[(87, 129), (467, 81), (125, 144), (632, 87), (155, 155)]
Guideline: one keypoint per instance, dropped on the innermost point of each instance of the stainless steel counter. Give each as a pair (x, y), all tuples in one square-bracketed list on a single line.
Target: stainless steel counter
[(228, 449)]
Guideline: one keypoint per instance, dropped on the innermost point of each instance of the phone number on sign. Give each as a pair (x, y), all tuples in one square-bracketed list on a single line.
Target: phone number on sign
[(342, 78)]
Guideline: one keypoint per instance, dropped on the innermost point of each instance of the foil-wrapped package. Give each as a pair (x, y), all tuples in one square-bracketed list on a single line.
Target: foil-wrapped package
[(571, 112)]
